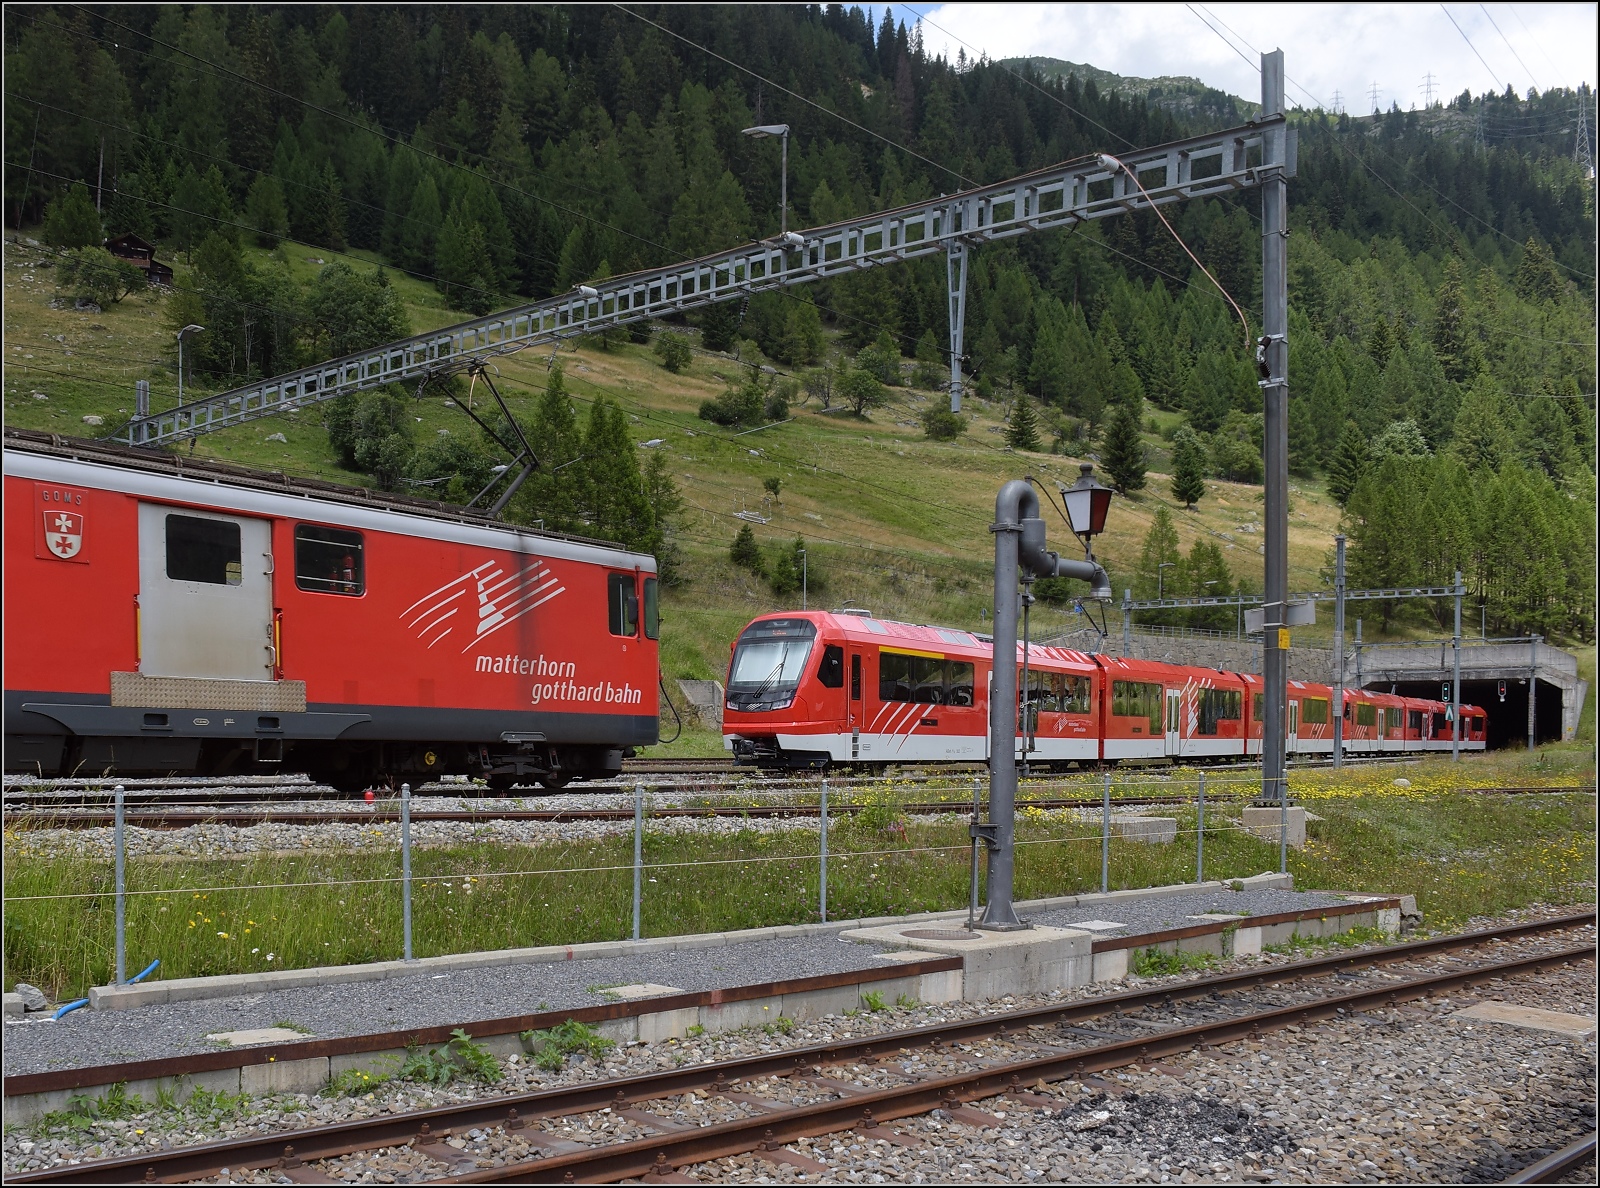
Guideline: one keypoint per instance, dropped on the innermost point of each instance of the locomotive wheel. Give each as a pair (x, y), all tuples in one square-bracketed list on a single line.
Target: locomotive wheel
[(555, 781)]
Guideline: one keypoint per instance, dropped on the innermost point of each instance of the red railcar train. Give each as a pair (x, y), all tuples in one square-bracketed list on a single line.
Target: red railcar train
[(171, 615), (812, 689)]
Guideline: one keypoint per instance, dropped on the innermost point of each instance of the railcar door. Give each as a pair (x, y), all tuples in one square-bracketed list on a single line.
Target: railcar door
[(1291, 740), (1174, 718), (853, 720), (205, 595)]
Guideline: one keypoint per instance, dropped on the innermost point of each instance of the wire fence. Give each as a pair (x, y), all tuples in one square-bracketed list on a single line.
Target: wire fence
[(876, 808)]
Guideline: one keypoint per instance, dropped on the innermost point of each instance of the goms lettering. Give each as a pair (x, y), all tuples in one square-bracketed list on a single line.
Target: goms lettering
[(523, 666)]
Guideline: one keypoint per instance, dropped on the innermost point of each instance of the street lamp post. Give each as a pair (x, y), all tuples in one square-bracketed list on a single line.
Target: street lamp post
[(761, 132), (183, 334)]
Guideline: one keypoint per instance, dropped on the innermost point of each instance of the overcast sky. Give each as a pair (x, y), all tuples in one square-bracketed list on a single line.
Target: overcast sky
[(1328, 48)]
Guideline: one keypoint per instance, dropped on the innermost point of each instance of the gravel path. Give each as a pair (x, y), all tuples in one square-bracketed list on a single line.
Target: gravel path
[(1411, 1094)]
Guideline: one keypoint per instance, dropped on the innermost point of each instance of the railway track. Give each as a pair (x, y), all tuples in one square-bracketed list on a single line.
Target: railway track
[(65, 817), (759, 1105)]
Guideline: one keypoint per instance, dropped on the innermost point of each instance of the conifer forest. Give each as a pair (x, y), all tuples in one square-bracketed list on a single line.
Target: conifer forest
[(1441, 262)]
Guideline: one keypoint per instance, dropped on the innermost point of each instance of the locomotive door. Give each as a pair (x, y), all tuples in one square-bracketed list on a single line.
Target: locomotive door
[(1174, 717), (205, 595)]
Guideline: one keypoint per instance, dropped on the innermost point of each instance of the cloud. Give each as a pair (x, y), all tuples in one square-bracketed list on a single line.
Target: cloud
[(1329, 49)]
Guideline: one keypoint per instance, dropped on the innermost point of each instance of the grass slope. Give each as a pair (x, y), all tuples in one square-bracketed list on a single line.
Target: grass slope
[(892, 521)]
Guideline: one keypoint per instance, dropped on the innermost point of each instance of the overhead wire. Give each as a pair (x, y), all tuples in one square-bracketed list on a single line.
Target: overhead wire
[(1509, 46), (1472, 47)]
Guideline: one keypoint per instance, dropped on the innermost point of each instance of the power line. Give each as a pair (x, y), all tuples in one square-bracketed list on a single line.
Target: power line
[(1473, 48), (796, 95), (1510, 47)]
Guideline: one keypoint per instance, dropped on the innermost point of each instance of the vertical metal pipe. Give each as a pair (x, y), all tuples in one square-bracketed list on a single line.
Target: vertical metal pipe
[(998, 912), (1455, 676), (1200, 834), (1027, 683), (405, 868), (638, 852), (1105, 839), (977, 802), (1337, 708), (823, 881), (783, 200), (1275, 449), (117, 842)]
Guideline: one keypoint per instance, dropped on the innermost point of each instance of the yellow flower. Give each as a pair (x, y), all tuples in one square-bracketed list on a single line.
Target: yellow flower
[(223, 935)]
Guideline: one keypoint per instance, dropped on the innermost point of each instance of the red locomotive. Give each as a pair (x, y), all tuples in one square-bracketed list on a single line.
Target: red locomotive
[(173, 615), (812, 689)]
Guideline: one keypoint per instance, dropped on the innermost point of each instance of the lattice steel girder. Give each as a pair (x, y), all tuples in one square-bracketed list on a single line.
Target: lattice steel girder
[(1059, 196), (1319, 596)]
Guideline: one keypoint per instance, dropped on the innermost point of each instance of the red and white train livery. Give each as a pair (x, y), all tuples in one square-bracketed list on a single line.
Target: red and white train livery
[(811, 689), (165, 614)]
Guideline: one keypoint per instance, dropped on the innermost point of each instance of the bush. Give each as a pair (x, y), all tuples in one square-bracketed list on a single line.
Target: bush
[(673, 351), (941, 424), (94, 274), (743, 405), (860, 391)]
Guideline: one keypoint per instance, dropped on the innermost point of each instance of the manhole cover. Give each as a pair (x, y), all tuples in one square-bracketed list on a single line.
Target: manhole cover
[(942, 934)]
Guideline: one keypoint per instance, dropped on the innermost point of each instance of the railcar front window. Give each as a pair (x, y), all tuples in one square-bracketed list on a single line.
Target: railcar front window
[(204, 551), (329, 560), (768, 662)]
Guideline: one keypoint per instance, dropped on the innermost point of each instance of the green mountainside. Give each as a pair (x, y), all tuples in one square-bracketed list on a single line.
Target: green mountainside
[(327, 178)]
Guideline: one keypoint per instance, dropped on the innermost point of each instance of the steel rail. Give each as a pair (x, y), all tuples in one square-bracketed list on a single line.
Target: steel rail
[(72, 817), (1557, 1164), (289, 1150)]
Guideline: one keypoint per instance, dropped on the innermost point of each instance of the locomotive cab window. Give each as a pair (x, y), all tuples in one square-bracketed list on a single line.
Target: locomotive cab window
[(204, 551), (652, 608), (329, 560), (622, 602), (830, 674)]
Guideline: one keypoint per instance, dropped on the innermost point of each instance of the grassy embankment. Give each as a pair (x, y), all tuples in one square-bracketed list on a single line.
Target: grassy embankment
[(892, 521), (1461, 855)]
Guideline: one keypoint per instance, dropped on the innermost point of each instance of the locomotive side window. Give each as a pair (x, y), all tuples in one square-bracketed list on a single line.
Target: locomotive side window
[(1217, 705), (329, 560), (652, 608), (831, 672), (203, 551), (623, 604)]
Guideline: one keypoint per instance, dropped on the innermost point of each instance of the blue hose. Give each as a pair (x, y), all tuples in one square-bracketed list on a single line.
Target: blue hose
[(147, 972), (71, 1006), (83, 1002)]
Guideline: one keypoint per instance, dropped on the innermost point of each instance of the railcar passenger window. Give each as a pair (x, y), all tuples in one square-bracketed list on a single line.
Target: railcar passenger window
[(1414, 720), (1217, 705), (1314, 711), (203, 551), (1258, 706), (1133, 699), (960, 678), (1441, 725), (329, 560), (1366, 713), (623, 604), (831, 672), (652, 609)]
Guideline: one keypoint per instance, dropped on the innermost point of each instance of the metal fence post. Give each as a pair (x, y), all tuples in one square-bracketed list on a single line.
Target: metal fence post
[(977, 799), (1283, 833), (638, 852), (122, 893), (405, 867), (823, 881), (1105, 839), (1200, 834)]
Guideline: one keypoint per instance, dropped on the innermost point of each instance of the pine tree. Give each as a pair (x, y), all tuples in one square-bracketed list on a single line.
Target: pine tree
[(1124, 449), (1188, 468), (745, 553), (267, 210), (1451, 340), (1157, 555), (72, 221), (1348, 464), (1022, 427)]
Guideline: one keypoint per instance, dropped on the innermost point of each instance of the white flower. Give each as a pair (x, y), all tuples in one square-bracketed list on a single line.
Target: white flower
[(270, 956), (255, 950)]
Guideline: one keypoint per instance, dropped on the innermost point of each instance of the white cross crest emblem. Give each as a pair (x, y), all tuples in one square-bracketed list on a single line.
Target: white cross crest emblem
[(63, 533)]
